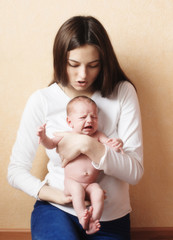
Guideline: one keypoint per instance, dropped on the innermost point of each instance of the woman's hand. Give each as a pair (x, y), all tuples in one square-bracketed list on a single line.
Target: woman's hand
[(54, 195), (70, 147), (73, 144), (50, 194)]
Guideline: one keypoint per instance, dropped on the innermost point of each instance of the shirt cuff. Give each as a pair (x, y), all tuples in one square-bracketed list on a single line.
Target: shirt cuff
[(41, 185), (99, 165)]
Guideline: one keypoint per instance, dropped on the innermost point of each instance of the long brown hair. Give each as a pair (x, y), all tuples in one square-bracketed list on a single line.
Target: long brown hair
[(78, 31)]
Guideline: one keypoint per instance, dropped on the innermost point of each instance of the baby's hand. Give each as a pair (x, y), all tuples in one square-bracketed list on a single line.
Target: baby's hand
[(41, 133), (116, 144)]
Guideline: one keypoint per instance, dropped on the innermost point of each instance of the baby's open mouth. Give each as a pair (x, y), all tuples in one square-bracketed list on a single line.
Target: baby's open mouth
[(88, 127)]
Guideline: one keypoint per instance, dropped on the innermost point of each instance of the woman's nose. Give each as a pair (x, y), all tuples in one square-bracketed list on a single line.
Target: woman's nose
[(82, 72)]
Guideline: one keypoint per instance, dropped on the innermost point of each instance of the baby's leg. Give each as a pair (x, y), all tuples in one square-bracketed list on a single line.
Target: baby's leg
[(96, 195), (77, 191)]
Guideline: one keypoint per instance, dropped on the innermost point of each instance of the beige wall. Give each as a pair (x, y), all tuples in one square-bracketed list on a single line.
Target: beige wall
[(142, 35)]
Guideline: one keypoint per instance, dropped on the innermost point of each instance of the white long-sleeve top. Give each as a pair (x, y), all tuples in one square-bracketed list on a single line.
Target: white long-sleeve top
[(119, 116)]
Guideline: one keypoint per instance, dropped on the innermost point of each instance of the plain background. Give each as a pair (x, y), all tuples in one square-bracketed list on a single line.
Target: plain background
[(142, 36)]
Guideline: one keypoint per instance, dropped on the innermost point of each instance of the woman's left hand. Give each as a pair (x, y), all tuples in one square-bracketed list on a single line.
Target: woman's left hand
[(73, 144)]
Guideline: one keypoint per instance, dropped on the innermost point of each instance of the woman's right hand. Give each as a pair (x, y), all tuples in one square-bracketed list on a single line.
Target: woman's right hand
[(54, 195)]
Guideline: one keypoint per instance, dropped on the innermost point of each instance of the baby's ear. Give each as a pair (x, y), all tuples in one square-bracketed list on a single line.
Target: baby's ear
[(69, 122)]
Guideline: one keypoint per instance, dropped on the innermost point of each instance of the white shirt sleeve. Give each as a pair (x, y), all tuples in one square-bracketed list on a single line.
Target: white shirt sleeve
[(127, 167), (25, 147)]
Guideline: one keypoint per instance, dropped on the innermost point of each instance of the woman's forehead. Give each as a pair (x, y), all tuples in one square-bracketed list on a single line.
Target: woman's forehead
[(86, 54)]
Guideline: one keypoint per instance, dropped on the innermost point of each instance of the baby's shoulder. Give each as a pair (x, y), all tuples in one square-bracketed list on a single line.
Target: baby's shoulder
[(98, 135)]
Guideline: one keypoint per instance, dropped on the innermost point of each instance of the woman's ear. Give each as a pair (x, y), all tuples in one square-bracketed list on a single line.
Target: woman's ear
[(69, 122)]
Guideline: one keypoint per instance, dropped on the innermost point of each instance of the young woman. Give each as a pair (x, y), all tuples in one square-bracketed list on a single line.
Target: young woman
[(84, 64)]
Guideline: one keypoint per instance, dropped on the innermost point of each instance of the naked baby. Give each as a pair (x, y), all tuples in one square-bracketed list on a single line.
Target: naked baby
[(80, 175)]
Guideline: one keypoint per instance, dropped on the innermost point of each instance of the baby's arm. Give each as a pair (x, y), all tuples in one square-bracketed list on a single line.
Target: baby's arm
[(115, 143), (47, 142)]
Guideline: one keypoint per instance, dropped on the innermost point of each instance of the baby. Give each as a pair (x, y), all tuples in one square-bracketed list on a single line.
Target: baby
[(80, 175)]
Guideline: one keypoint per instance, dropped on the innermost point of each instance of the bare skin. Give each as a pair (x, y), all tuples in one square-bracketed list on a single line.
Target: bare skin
[(80, 175)]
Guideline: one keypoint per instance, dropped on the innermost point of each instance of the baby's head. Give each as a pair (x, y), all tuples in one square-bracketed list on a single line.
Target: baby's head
[(82, 115)]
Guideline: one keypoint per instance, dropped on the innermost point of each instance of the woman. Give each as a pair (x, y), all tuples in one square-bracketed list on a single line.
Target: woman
[(84, 64)]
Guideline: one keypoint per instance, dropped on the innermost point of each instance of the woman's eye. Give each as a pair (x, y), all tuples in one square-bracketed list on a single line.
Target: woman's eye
[(73, 65), (94, 66)]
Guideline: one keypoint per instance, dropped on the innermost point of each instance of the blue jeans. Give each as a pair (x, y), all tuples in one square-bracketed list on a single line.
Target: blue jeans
[(51, 223)]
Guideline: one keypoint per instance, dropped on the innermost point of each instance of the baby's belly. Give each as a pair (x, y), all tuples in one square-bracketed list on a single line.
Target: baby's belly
[(81, 170)]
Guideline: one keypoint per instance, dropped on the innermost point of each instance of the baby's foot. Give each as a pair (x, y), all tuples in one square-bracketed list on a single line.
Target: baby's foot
[(94, 226), (84, 220)]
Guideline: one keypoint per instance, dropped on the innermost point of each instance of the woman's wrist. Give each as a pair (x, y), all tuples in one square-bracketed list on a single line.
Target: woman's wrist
[(93, 149), (54, 195)]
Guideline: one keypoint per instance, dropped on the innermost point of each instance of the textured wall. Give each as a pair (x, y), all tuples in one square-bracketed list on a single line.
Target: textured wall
[(142, 35)]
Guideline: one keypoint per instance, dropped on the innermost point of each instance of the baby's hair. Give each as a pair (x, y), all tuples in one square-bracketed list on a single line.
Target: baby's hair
[(79, 99)]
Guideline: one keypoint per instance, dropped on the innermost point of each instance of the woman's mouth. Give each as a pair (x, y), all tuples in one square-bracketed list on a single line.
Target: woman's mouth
[(82, 83)]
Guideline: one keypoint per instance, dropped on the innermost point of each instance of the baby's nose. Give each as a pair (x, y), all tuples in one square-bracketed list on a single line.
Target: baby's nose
[(89, 119)]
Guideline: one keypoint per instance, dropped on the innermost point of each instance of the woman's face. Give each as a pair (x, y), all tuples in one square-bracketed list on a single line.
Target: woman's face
[(83, 67)]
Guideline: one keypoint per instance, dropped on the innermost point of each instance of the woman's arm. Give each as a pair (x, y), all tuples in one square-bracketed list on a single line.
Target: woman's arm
[(25, 147), (127, 167), (72, 145), (54, 195), (24, 151)]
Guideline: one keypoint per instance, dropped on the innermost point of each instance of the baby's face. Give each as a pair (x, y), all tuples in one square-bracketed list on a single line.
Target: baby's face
[(83, 118)]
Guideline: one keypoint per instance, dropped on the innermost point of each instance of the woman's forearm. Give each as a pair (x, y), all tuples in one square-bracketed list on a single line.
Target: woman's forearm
[(54, 195), (72, 145)]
